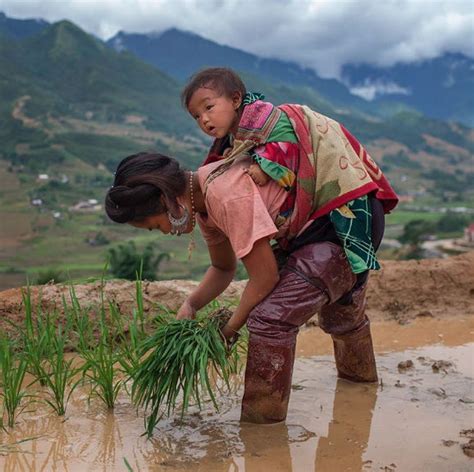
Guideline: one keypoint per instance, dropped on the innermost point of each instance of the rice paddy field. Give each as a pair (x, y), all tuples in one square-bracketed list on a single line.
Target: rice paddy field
[(70, 399)]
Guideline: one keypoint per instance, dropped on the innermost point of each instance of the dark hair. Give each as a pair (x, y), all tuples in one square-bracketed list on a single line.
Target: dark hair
[(141, 180), (222, 79)]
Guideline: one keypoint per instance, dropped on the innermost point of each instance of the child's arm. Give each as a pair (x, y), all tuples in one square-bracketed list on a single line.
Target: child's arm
[(275, 160), (257, 174)]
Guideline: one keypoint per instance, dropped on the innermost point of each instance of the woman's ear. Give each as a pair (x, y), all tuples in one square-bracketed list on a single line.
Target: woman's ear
[(173, 206)]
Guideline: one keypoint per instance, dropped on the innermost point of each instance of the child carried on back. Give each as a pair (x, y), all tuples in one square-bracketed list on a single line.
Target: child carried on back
[(325, 170)]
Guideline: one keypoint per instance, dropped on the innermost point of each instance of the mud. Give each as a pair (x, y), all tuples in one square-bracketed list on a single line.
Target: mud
[(417, 418), (401, 291)]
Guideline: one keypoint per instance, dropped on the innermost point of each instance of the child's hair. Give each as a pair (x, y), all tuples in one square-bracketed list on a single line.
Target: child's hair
[(224, 80), (140, 182)]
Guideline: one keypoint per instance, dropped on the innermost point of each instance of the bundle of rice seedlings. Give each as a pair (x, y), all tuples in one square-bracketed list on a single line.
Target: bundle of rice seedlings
[(178, 359)]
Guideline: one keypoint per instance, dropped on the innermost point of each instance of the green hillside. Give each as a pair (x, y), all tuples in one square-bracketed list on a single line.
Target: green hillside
[(72, 108)]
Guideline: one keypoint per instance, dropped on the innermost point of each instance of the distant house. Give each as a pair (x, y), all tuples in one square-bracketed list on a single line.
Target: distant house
[(86, 206), (406, 198), (43, 177), (469, 233), (36, 202)]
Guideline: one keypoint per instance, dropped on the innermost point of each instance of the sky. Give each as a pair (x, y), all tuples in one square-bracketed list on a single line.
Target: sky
[(319, 34)]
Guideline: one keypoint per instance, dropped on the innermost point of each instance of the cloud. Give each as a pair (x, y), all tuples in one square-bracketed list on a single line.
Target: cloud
[(321, 34), (371, 89)]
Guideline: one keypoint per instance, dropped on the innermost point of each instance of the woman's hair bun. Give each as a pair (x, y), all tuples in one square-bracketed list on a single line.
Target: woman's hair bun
[(140, 182)]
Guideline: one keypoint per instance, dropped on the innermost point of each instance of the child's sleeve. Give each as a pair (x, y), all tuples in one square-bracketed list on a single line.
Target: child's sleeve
[(279, 160)]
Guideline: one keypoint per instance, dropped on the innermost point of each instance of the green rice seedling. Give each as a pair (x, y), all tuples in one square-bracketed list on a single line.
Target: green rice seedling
[(58, 373), (127, 465), (130, 338), (101, 367), (37, 337), (176, 365), (101, 362), (140, 312), (78, 322), (13, 370)]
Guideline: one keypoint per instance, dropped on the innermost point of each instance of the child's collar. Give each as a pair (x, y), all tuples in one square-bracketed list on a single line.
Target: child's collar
[(251, 97)]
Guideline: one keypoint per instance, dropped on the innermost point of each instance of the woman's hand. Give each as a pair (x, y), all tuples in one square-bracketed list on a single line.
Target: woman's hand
[(228, 332), (186, 311)]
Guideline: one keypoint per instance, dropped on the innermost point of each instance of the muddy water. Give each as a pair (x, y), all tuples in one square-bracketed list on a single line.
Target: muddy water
[(412, 421)]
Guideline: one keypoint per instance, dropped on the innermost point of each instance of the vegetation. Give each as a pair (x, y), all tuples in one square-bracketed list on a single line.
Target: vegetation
[(125, 261), (13, 370), (416, 230), (110, 354), (49, 275), (178, 357), (102, 356)]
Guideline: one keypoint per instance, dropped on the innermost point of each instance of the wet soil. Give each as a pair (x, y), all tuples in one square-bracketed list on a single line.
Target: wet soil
[(401, 291), (418, 418)]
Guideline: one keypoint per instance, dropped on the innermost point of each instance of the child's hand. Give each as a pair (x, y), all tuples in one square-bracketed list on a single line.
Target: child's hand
[(257, 174)]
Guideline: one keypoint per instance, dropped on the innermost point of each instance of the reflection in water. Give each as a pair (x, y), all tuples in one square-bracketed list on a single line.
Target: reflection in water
[(269, 447), (328, 427), (275, 437), (349, 429), (199, 442), (110, 442), (58, 452)]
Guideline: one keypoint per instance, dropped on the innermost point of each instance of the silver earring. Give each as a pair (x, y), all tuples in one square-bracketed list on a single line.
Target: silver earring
[(179, 225)]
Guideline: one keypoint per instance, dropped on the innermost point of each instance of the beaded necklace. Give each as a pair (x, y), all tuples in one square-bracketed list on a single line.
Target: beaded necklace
[(192, 243)]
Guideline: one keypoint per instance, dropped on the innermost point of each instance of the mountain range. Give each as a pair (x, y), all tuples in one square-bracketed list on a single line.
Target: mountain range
[(64, 94), (442, 87), (18, 29)]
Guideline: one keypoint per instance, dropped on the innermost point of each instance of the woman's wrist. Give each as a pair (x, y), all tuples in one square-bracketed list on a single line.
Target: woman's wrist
[(191, 305), (228, 332)]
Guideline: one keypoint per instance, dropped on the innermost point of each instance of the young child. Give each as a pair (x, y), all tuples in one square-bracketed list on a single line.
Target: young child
[(216, 98), (327, 173)]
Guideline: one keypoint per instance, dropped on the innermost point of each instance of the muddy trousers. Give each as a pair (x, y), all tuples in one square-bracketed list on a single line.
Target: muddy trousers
[(314, 278)]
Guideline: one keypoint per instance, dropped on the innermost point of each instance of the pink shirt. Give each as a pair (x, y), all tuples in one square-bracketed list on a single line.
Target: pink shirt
[(238, 209)]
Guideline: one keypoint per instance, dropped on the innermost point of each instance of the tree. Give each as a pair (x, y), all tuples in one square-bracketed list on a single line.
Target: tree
[(125, 261), (451, 222), (49, 275), (414, 231)]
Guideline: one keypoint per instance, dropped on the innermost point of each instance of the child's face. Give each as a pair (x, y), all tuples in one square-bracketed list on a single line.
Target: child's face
[(215, 113)]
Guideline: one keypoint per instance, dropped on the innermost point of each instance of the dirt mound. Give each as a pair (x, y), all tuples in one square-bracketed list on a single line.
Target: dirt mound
[(440, 288), (401, 290)]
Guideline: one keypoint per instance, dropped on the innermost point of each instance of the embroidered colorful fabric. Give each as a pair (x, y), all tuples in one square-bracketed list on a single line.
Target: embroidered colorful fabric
[(331, 168), (271, 160), (352, 222), (276, 159), (353, 225), (251, 97)]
